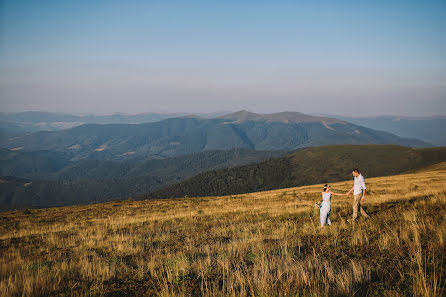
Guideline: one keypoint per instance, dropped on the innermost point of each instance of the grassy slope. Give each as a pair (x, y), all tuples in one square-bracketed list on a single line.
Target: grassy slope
[(305, 167), (258, 244)]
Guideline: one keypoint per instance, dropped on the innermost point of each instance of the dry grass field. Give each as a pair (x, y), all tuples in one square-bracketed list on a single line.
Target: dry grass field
[(259, 244)]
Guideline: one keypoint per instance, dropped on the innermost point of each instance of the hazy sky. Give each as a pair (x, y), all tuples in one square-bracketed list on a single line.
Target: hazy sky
[(340, 57)]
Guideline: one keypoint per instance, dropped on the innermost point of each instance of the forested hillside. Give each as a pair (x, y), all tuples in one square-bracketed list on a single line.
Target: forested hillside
[(41, 179), (305, 167)]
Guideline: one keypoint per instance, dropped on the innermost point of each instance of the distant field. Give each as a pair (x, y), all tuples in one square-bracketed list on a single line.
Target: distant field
[(258, 244)]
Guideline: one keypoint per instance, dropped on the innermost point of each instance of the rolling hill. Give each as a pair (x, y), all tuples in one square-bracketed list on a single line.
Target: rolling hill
[(180, 136), (305, 167)]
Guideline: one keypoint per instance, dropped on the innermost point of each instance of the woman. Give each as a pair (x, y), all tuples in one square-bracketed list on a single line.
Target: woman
[(325, 205)]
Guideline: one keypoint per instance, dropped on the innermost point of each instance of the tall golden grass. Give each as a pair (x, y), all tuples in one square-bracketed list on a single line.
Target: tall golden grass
[(258, 244)]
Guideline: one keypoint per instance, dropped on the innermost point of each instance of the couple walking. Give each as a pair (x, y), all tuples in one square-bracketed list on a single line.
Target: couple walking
[(358, 189)]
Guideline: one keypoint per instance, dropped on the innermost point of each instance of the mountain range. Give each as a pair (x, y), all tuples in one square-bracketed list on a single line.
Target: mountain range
[(184, 135), (186, 155), (428, 129), (33, 121)]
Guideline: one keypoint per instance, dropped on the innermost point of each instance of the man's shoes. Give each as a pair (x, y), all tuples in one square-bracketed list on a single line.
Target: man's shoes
[(352, 220)]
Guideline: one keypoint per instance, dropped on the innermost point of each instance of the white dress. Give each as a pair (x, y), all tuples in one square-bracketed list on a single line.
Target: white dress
[(325, 209)]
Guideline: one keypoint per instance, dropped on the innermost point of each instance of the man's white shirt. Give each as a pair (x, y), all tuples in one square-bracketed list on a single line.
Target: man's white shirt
[(359, 185)]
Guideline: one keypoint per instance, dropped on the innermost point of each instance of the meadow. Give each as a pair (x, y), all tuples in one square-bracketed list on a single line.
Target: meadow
[(258, 244)]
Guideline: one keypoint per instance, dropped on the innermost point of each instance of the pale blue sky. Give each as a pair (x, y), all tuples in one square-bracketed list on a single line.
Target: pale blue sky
[(352, 57)]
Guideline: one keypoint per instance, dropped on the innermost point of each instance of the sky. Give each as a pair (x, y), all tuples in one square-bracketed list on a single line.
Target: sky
[(357, 58)]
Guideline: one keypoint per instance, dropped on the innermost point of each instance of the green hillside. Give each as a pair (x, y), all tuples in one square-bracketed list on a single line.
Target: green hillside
[(304, 167), (53, 181)]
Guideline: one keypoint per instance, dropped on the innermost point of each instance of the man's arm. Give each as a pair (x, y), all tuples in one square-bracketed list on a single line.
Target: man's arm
[(348, 193)]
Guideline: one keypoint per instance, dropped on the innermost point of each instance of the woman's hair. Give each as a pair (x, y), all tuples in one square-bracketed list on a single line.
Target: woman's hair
[(326, 187)]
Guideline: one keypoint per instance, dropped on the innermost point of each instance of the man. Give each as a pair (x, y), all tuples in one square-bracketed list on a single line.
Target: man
[(358, 189)]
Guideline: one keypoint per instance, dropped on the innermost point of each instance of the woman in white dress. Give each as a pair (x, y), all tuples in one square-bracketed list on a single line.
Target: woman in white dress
[(325, 205)]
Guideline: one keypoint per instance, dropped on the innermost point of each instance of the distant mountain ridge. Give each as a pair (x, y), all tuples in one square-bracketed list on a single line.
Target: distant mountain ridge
[(185, 135), (13, 124), (280, 117), (429, 129)]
